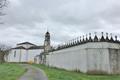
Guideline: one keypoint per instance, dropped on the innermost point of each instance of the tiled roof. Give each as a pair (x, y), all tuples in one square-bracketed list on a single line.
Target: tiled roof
[(36, 47), (25, 43), (20, 47), (33, 47)]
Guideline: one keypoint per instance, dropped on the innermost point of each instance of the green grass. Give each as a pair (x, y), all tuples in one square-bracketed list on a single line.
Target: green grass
[(59, 74), (10, 71)]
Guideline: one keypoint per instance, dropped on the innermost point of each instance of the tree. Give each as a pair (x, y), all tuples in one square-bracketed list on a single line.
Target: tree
[(4, 50), (3, 3)]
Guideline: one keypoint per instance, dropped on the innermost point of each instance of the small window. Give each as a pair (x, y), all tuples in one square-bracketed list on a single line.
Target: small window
[(14, 53)]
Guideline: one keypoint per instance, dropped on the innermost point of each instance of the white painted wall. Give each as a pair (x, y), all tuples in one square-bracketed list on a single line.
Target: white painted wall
[(23, 55), (89, 57), (37, 59), (17, 55), (33, 53)]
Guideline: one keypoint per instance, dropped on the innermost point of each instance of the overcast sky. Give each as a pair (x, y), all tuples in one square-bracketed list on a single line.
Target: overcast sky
[(28, 20)]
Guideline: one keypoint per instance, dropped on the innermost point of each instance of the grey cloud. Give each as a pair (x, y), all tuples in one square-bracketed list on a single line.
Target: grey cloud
[(84, 15), (27, 20)]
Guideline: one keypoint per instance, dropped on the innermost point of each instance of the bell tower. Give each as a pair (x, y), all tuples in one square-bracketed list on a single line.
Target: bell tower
[(47, 46)]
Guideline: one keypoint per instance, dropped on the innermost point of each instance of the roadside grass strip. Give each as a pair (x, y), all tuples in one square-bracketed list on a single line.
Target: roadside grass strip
[(60, 74), (10, 71)]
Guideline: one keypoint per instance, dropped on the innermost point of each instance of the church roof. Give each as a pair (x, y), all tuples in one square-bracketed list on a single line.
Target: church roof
[(36, 47), (33, 47), (25, 43), (20, 47)]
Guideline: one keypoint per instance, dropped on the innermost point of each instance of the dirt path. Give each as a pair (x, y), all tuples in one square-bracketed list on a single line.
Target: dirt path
[(33, 73)]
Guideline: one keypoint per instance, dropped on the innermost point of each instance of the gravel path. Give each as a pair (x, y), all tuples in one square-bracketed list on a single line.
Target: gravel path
[(33, 73)]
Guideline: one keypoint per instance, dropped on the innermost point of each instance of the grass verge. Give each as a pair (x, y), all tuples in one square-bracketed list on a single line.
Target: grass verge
[(59, 74), (10, 71)]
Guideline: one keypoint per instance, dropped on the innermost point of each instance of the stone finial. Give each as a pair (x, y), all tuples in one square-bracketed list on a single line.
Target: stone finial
[(70, 43), (90, 38), (102, 38), (89, 34), (111, 39), (107, 38), (86, 38), (95, 38), (111, 35), (73, 42), (80, 39), (116, 40), (83, 39), (66, 44), (58, 47), (106, 34)]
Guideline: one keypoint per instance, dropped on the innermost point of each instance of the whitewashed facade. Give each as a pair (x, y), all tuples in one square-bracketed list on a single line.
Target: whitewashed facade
[(24, 52), (88, 55), (92, 57)]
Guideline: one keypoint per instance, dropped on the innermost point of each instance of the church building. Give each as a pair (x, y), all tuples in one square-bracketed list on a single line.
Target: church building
[(27, 52)]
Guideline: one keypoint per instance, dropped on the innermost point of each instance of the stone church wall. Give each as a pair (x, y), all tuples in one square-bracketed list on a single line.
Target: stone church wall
[(22, 55), (114, 57), (33, 54), (96, 58), (18, 55)]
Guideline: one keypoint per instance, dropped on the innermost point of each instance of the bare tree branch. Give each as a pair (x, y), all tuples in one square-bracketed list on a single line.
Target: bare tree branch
[(3, 3), (4, 47), (4, 50)]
